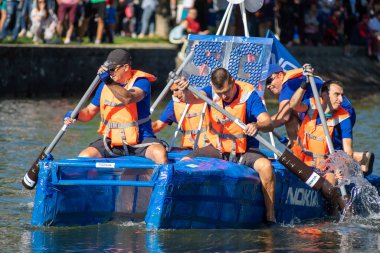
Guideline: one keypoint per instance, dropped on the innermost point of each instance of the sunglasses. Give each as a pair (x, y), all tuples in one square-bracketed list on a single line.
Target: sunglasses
[(115, 68), (270, 80)]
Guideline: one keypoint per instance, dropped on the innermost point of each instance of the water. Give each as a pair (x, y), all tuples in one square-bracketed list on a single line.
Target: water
[(26, 126)]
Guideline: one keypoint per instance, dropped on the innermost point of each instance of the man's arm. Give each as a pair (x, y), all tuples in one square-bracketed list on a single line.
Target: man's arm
[(88, 113), (263, 124), (296, 101), (84, 115), (283, 114), (188, 96), (347, 146), (158, 125), (130, 96)]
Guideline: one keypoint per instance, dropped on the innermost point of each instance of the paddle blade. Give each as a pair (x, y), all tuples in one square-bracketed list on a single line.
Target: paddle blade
[(30, 179)]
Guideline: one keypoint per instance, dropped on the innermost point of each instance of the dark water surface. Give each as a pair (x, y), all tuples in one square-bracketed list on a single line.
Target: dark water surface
[(28, 125)]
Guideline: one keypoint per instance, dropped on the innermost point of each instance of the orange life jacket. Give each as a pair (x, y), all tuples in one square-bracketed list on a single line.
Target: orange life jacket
[(190, 123), (292, 74), (119, 122), (311, 146), (224, 134)]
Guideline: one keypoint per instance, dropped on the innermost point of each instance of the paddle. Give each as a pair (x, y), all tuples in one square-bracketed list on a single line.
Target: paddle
[(290, 161), (324, 124), (30, 179)]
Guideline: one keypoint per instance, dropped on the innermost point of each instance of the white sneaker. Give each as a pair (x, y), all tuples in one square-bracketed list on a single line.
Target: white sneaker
[(97, 42), (67, 41), (29, 34), (22, 33), (37, 40)]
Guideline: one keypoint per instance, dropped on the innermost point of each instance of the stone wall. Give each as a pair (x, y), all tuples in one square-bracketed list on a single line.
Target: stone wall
[(65, 71)]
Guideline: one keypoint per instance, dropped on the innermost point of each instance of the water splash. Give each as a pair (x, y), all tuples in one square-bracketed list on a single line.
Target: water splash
[(364, 199)]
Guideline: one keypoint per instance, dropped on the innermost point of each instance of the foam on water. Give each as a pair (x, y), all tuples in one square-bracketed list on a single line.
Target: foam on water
[(364, 199)]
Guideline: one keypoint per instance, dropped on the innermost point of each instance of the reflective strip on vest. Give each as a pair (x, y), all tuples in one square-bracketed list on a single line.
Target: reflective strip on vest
[(194, 131)]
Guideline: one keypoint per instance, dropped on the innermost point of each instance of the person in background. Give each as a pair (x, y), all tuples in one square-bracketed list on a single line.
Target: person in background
[(123, 100), (220, 7), (127, 16), (228, 140), (148, 18), (44, 23), (311, 146), (14, 10), (3, 13), (311, 29), (362, 35), (98, 10), (84, 19), (191, 24), (334, 33), (374, 26), (179, 33), (110, 21), (25, 18), (68, 7)]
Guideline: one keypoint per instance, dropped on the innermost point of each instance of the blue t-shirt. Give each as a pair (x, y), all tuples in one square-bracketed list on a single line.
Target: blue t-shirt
[(168, 115), (341, 131), (143, 107), (254, 107), (290, 87)]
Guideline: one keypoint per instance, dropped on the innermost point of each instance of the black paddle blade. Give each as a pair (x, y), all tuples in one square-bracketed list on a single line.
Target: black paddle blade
[(301, 170), (333, 195), (30, 179)]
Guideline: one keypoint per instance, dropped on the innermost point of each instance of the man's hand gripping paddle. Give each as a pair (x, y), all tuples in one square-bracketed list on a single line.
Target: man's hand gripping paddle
[(30, 179), (290, 161)]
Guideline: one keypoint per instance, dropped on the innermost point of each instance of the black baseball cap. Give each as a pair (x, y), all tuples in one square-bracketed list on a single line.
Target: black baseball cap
[(117, 57)]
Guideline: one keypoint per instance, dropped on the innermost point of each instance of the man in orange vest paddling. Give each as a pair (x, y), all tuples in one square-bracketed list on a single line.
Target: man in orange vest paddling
[(284, 84), (311, 146), (228, 140), (194, 114), (123, 100)]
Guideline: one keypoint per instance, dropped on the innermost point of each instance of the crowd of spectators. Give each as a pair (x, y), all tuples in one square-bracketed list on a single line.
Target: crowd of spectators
[(305, 22)]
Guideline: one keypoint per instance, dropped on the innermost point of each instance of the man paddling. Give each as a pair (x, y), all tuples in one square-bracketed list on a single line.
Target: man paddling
[(284, 84), (189, 116), (311, 146), (228, 140), (123, 100)]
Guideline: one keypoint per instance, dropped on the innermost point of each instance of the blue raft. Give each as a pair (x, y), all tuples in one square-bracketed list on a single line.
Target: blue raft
[(199, 193)]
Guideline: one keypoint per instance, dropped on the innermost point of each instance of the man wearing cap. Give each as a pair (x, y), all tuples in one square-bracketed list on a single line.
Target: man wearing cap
[(123, 100), (284, 84)]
